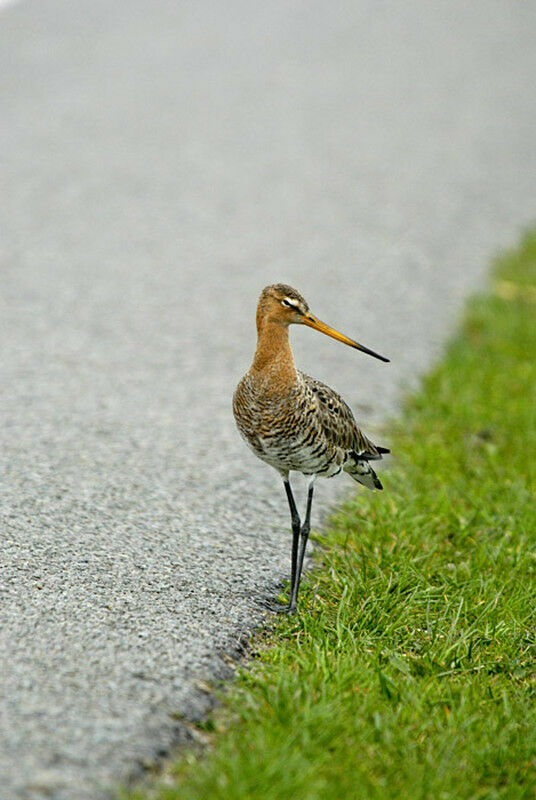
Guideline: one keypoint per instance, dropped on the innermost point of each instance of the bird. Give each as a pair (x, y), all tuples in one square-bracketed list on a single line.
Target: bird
[(294, 422)]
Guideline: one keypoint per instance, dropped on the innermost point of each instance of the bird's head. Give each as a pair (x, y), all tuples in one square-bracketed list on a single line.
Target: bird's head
[(283, 305)]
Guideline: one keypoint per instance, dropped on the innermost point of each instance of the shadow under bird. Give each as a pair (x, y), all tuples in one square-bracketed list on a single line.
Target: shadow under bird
[(294, 422)]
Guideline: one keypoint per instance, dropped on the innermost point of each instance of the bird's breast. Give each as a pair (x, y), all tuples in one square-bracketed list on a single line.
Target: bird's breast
[(284, 429)]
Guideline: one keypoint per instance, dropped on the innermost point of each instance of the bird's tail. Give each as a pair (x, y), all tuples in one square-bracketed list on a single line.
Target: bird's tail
[(361, 471)]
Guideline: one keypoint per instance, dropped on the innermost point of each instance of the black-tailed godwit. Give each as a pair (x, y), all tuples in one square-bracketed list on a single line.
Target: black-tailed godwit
[(294, 422)]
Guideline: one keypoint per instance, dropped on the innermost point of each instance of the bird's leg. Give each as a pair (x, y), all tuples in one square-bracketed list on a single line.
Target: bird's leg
[(296, 527), (304, 535)]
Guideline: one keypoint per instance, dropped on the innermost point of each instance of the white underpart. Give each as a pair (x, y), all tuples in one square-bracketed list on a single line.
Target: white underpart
[(300, 459)]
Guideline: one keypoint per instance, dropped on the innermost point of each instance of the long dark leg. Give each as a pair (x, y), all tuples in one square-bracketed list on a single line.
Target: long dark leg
[(304, 535), (296, 527)]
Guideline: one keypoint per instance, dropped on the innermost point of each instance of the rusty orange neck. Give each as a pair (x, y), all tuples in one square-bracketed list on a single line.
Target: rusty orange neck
[(273, 356)]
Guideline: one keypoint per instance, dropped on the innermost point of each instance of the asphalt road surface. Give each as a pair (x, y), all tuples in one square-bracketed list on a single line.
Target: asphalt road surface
[(160, 163)]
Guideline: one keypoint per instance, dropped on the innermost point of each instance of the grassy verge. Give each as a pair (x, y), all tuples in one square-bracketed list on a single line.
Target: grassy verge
[(411, 670)]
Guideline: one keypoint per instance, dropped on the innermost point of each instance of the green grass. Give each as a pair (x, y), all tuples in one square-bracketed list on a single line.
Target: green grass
[(410, 671)]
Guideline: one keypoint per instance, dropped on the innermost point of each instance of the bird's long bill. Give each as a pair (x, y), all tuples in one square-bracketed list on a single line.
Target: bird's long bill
[(313, 322)]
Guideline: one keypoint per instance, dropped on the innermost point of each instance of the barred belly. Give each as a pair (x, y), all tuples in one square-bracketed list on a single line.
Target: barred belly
[(300, 454)]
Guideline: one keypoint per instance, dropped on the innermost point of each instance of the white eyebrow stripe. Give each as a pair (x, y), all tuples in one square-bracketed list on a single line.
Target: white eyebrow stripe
[(292, 302)]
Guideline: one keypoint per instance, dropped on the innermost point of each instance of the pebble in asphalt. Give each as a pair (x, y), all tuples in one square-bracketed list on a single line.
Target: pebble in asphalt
[(161, 163)]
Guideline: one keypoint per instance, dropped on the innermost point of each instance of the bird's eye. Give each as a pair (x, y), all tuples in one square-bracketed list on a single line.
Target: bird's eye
[(287, 303)]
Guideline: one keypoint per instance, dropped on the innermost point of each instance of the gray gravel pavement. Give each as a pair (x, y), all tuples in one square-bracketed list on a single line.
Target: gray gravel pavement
[(160, 163)]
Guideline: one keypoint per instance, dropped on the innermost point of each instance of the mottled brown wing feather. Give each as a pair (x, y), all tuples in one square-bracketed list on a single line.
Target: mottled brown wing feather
[(338, 421)]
